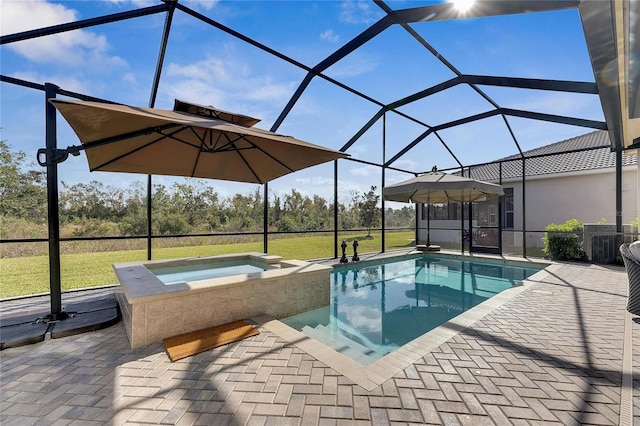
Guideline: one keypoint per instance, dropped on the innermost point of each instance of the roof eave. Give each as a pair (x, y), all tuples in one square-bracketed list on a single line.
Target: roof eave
[(610, 29)]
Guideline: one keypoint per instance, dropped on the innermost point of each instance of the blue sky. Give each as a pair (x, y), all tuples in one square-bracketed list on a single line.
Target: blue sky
[(204, 65)]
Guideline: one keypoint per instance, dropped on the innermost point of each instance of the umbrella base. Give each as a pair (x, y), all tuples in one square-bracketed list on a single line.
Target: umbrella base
[(82, 317), (424, 247)]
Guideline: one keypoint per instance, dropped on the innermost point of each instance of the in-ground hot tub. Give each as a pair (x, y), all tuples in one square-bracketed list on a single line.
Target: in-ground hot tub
[(213, 290)]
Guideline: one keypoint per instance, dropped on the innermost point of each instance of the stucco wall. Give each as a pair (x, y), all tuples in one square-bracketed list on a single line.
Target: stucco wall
[(441, 231), (586, 197)]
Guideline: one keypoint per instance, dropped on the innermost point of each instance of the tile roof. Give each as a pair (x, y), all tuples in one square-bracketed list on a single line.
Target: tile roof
[(561, 162)]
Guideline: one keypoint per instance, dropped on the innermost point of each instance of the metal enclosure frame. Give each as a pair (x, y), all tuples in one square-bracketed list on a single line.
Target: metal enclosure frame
[(598, 19)]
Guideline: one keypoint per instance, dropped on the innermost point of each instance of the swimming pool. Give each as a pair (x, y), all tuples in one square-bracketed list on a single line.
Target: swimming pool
[(376, 308), (197, 272)]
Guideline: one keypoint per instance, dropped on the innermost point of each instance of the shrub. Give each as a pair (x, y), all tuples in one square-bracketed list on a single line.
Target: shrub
[(89, 227), (172, 224), (561, 242)]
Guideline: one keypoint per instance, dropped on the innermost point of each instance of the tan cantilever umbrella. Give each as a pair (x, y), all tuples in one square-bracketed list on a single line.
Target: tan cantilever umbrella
[(187, 142), (192, 140), (437, 188), (211, 112)]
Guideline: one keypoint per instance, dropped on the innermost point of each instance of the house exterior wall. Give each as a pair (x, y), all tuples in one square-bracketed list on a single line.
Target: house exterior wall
[(441, 231), (588, 197)]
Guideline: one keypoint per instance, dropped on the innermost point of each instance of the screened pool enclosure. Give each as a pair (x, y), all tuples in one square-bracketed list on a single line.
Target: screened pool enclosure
[(399, 86)]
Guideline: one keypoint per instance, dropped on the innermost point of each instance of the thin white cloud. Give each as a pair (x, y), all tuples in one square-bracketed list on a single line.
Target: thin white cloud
[(364, 318), (211, 68), (271, 91), (18, 16), (359, 149), (406, 164), (130, 78), (365, 171), (137, 3), (557, 103), (197, 91), (193, 4), (355, 65), (201, 4), (218, 82), (348, 189), (330, 36), (359, 12), (66, 82), (72, 48), (315, 181)]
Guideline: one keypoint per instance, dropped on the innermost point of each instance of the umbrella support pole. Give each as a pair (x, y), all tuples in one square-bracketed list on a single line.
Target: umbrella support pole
[(428, 225), (34, 327), (52, 157), (428, 247)]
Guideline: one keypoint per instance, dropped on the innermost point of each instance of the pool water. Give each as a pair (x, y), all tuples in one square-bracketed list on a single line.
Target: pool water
[(183, 274), (377, 308)]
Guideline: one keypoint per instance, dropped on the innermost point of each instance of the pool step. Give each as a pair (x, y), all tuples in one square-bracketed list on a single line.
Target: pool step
[(347, 330), (339, 343)]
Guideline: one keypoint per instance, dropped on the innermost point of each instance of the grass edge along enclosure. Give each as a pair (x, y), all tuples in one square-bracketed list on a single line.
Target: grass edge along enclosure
[(22, 276)]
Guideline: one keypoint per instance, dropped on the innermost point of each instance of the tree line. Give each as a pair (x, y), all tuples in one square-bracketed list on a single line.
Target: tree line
[(93, 209)]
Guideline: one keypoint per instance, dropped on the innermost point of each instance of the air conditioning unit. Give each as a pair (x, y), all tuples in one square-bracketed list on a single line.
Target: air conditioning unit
[(601, 242)]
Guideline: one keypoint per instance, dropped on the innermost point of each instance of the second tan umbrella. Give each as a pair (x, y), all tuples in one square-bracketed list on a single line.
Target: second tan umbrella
[(437, 188)]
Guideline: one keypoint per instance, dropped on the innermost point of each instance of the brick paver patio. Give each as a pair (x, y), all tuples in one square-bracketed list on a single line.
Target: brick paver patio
[(552, 355)]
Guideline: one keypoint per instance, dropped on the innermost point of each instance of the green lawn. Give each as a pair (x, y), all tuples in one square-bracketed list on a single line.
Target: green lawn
[(30, 275)]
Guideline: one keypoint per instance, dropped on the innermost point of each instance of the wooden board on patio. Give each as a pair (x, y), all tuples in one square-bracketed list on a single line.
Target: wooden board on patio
[(185, 345)]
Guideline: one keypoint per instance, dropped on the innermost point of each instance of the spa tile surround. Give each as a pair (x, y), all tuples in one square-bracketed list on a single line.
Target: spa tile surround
[(152, 311)]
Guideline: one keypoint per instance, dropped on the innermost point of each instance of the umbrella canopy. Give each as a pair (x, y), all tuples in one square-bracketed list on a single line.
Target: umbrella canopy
[(212, 112), (191, 142), (437, 187)]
